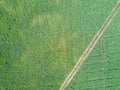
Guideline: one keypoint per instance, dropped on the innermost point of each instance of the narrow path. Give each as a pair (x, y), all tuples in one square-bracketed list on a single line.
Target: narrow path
[(90, 47)]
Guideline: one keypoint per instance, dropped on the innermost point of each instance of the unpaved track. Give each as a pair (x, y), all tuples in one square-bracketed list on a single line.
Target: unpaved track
[(90, 47)]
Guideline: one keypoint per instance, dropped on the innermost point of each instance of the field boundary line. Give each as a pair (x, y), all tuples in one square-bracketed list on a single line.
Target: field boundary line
[(90, 47)]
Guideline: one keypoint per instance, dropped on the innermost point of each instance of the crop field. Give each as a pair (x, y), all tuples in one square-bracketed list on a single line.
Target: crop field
[(41, 41), (101, 70)]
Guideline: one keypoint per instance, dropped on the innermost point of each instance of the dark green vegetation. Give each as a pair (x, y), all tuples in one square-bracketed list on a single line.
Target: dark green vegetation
[(41, 40), (101, 70)]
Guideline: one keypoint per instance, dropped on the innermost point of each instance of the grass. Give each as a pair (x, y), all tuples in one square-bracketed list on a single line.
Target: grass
[(40, 41)]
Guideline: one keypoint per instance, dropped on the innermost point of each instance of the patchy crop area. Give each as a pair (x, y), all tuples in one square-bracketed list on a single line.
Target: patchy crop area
[(41, 41)]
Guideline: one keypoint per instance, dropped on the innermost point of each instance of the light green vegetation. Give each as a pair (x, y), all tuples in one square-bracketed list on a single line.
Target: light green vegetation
[(41, 40), (101, 70)]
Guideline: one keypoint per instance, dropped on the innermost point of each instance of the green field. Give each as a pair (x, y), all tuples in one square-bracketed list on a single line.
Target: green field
[(101, 70), (41, 40)]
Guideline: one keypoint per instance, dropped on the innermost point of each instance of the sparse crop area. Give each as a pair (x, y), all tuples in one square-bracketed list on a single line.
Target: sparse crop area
[(41, 41)]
